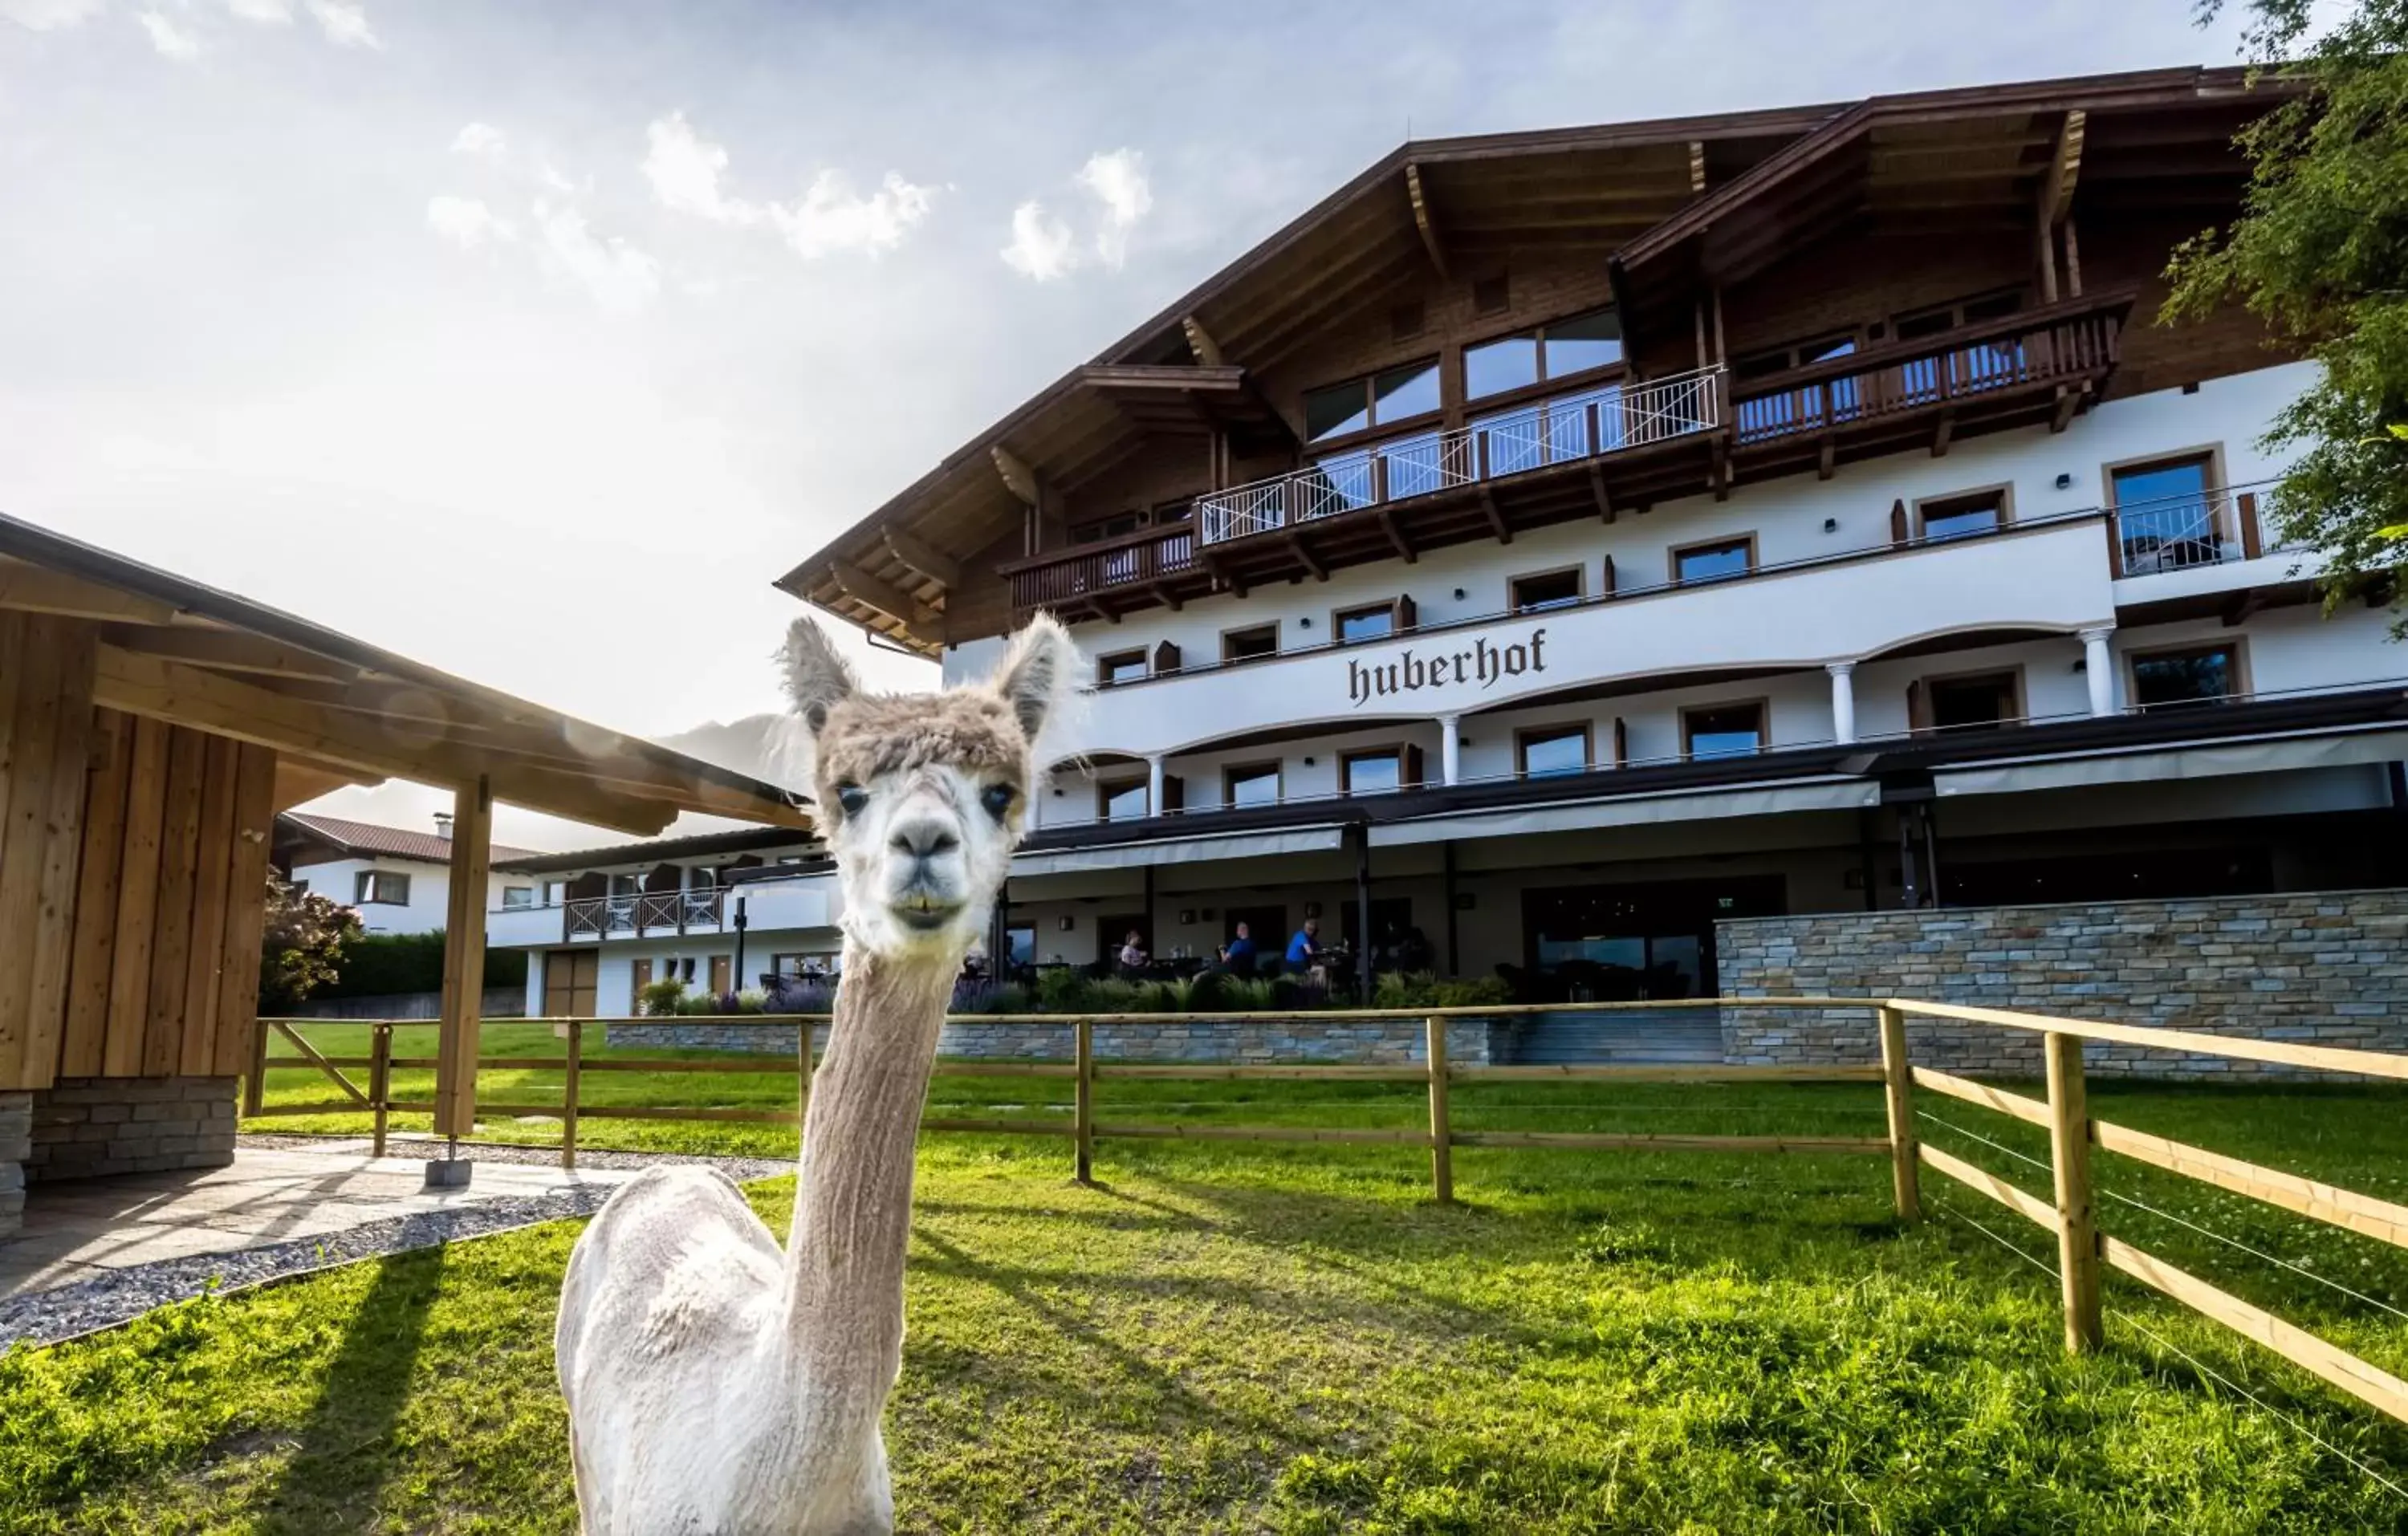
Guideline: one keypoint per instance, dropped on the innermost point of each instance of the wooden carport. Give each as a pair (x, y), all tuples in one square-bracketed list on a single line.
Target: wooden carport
[(150, 727)]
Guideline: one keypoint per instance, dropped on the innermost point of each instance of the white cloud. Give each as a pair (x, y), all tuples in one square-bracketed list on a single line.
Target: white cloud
[(832, 217), (49, 15), (168, 38), (1042, 246), (481, 140), (344, 22), (1117, 181), (684, 170), (273, 13), (619, 277), (468, 222)]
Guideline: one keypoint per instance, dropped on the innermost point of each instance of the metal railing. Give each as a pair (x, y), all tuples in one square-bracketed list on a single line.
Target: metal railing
[(639, 913), (1587, 424), (2187, 530)]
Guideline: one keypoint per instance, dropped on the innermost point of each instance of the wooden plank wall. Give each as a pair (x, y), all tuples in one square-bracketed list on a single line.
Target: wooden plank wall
[(133, 867)]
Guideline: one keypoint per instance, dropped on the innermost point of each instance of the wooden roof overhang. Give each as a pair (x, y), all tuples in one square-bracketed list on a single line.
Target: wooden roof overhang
[(338, 710), (1951, 162)]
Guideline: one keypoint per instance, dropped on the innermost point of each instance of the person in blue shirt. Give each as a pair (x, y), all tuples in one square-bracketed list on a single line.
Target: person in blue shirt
[(1304, 949), (1238, 953)]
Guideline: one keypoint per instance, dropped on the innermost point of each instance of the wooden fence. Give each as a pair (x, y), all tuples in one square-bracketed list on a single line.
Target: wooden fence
[(2083, 1250)]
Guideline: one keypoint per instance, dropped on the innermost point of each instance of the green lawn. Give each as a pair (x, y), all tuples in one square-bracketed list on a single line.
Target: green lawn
[(1289, 1338)]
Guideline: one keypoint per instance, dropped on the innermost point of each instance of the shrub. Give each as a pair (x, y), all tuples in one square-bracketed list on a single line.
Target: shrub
[(378, 965), (661, 999), (1424, 989), (752, 1000)]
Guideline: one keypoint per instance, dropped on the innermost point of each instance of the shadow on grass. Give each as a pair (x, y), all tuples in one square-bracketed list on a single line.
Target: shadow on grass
[(343, 1453)]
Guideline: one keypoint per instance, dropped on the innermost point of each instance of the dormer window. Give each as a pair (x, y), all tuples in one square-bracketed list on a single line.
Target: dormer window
[(1556, 350), (1378, 400)]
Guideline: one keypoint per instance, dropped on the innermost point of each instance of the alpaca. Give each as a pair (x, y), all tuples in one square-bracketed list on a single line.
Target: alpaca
[(715, 1384)]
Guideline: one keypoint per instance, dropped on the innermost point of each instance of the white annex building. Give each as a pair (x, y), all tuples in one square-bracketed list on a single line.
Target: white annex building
[(396, 879)]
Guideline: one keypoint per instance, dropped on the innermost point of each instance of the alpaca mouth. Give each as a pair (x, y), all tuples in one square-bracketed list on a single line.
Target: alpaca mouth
[(924, 912)]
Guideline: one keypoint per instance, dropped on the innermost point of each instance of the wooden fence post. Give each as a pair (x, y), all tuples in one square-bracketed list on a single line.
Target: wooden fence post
[(1442, 1142), (1898, 1077), (568, 1093), (2077, 1232), (1083, 1109), (255, 1091), (380, 1081)]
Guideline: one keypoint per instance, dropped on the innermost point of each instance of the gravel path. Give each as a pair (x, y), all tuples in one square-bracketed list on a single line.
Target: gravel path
[(47, 1317), (418, 1148)]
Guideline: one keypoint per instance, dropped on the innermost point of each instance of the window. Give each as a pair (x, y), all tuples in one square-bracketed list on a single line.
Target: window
[(517, 897), (1716, 561), (1552, 589), (1120, 667), (1254, 785), (1987, 698), (1369, 623), (2166, 513), (1955, 517), (1380, 772), (2208, 674), (1552, 750), (1118, 802), (1249, 644), (1722, 730), (1553, 350), (1917, 324), (1798, 355), (1377, 399), (554, 892), (382, 887)]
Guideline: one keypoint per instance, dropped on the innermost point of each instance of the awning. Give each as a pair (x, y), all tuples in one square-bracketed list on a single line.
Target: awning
[(2261, 754), (1131, 855), (1635, 810)]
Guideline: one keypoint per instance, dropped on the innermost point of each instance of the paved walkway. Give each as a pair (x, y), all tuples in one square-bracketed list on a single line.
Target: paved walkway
[(88, 1229)]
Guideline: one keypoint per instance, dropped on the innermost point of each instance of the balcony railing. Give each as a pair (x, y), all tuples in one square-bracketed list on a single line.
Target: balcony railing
[(636, 913), (2183, 532), (1574, 427), (2074, 339)]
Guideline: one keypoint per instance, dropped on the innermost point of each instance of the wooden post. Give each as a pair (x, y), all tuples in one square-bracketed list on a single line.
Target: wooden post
[(254, 1089), (2077, 1233), (1898, 1077), (379, 1080), (568, 1095), (464, 960), (1442, 1142), (1084, 1110)]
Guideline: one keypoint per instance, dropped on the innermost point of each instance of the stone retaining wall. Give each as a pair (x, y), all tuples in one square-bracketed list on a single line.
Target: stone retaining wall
[(2324, 968), (1471, 1043), (16, 1145), (86, 1127)]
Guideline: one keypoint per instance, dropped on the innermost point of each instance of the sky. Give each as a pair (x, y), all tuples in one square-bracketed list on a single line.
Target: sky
[(534, 339)]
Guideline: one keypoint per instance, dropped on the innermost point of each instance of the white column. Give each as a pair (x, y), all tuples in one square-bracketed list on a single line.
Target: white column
[(2099, 669), (1154, 786), (1450, 748), (1844, 701)]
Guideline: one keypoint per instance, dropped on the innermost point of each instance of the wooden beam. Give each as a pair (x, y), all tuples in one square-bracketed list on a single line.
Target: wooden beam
[(924, 558), (464, 960), (1940, 434), (1397, 541), (299, 779), (213, 895), (1424, 217), (1018, 478), (1296, 542), (1200, 341), (1603, 498), (1696, 165), (2064, 169), (2067, 400), (245, 910), (138, 899), (228, 651), (1496, 518), (34, 589), (923, 622)]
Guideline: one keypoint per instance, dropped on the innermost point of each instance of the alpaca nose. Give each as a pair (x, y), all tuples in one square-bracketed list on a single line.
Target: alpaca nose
[(924, 837)]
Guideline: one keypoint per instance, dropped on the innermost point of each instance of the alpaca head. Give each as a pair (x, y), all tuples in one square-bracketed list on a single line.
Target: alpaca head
[(922, 797)]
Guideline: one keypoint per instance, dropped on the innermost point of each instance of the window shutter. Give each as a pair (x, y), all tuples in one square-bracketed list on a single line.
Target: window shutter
[(1621, 744), (1607, 589), (1918, 706), (1898, 532), (1165, 657), (1412, 778), (1174, 794), (1405, 616)]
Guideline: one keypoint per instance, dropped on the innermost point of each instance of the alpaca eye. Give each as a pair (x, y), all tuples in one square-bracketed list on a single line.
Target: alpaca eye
[(853, 797), (998, 800)]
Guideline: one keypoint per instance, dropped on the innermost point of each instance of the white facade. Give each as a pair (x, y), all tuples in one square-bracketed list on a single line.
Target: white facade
[(427, 886)]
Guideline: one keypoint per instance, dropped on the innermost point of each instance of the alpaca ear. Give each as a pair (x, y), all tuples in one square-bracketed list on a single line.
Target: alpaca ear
[(1034, 677), (817, 679)]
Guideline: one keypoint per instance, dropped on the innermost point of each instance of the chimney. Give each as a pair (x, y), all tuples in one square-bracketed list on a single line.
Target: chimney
[(443, 825)]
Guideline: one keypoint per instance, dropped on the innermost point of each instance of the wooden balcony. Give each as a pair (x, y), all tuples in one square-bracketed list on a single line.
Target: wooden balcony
[(1593, 454)]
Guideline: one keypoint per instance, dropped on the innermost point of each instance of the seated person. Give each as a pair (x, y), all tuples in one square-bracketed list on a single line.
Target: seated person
[(1133, 956), (1237, 954), (1304, 949)]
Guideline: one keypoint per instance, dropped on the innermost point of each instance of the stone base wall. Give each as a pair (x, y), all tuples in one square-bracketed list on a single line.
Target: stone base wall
[(16, 1145), (1469, 1042), (87, 1128), (2321, 968)]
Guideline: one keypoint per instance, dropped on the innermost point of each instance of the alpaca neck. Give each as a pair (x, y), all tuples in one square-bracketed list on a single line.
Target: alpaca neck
[(852, 1206)]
